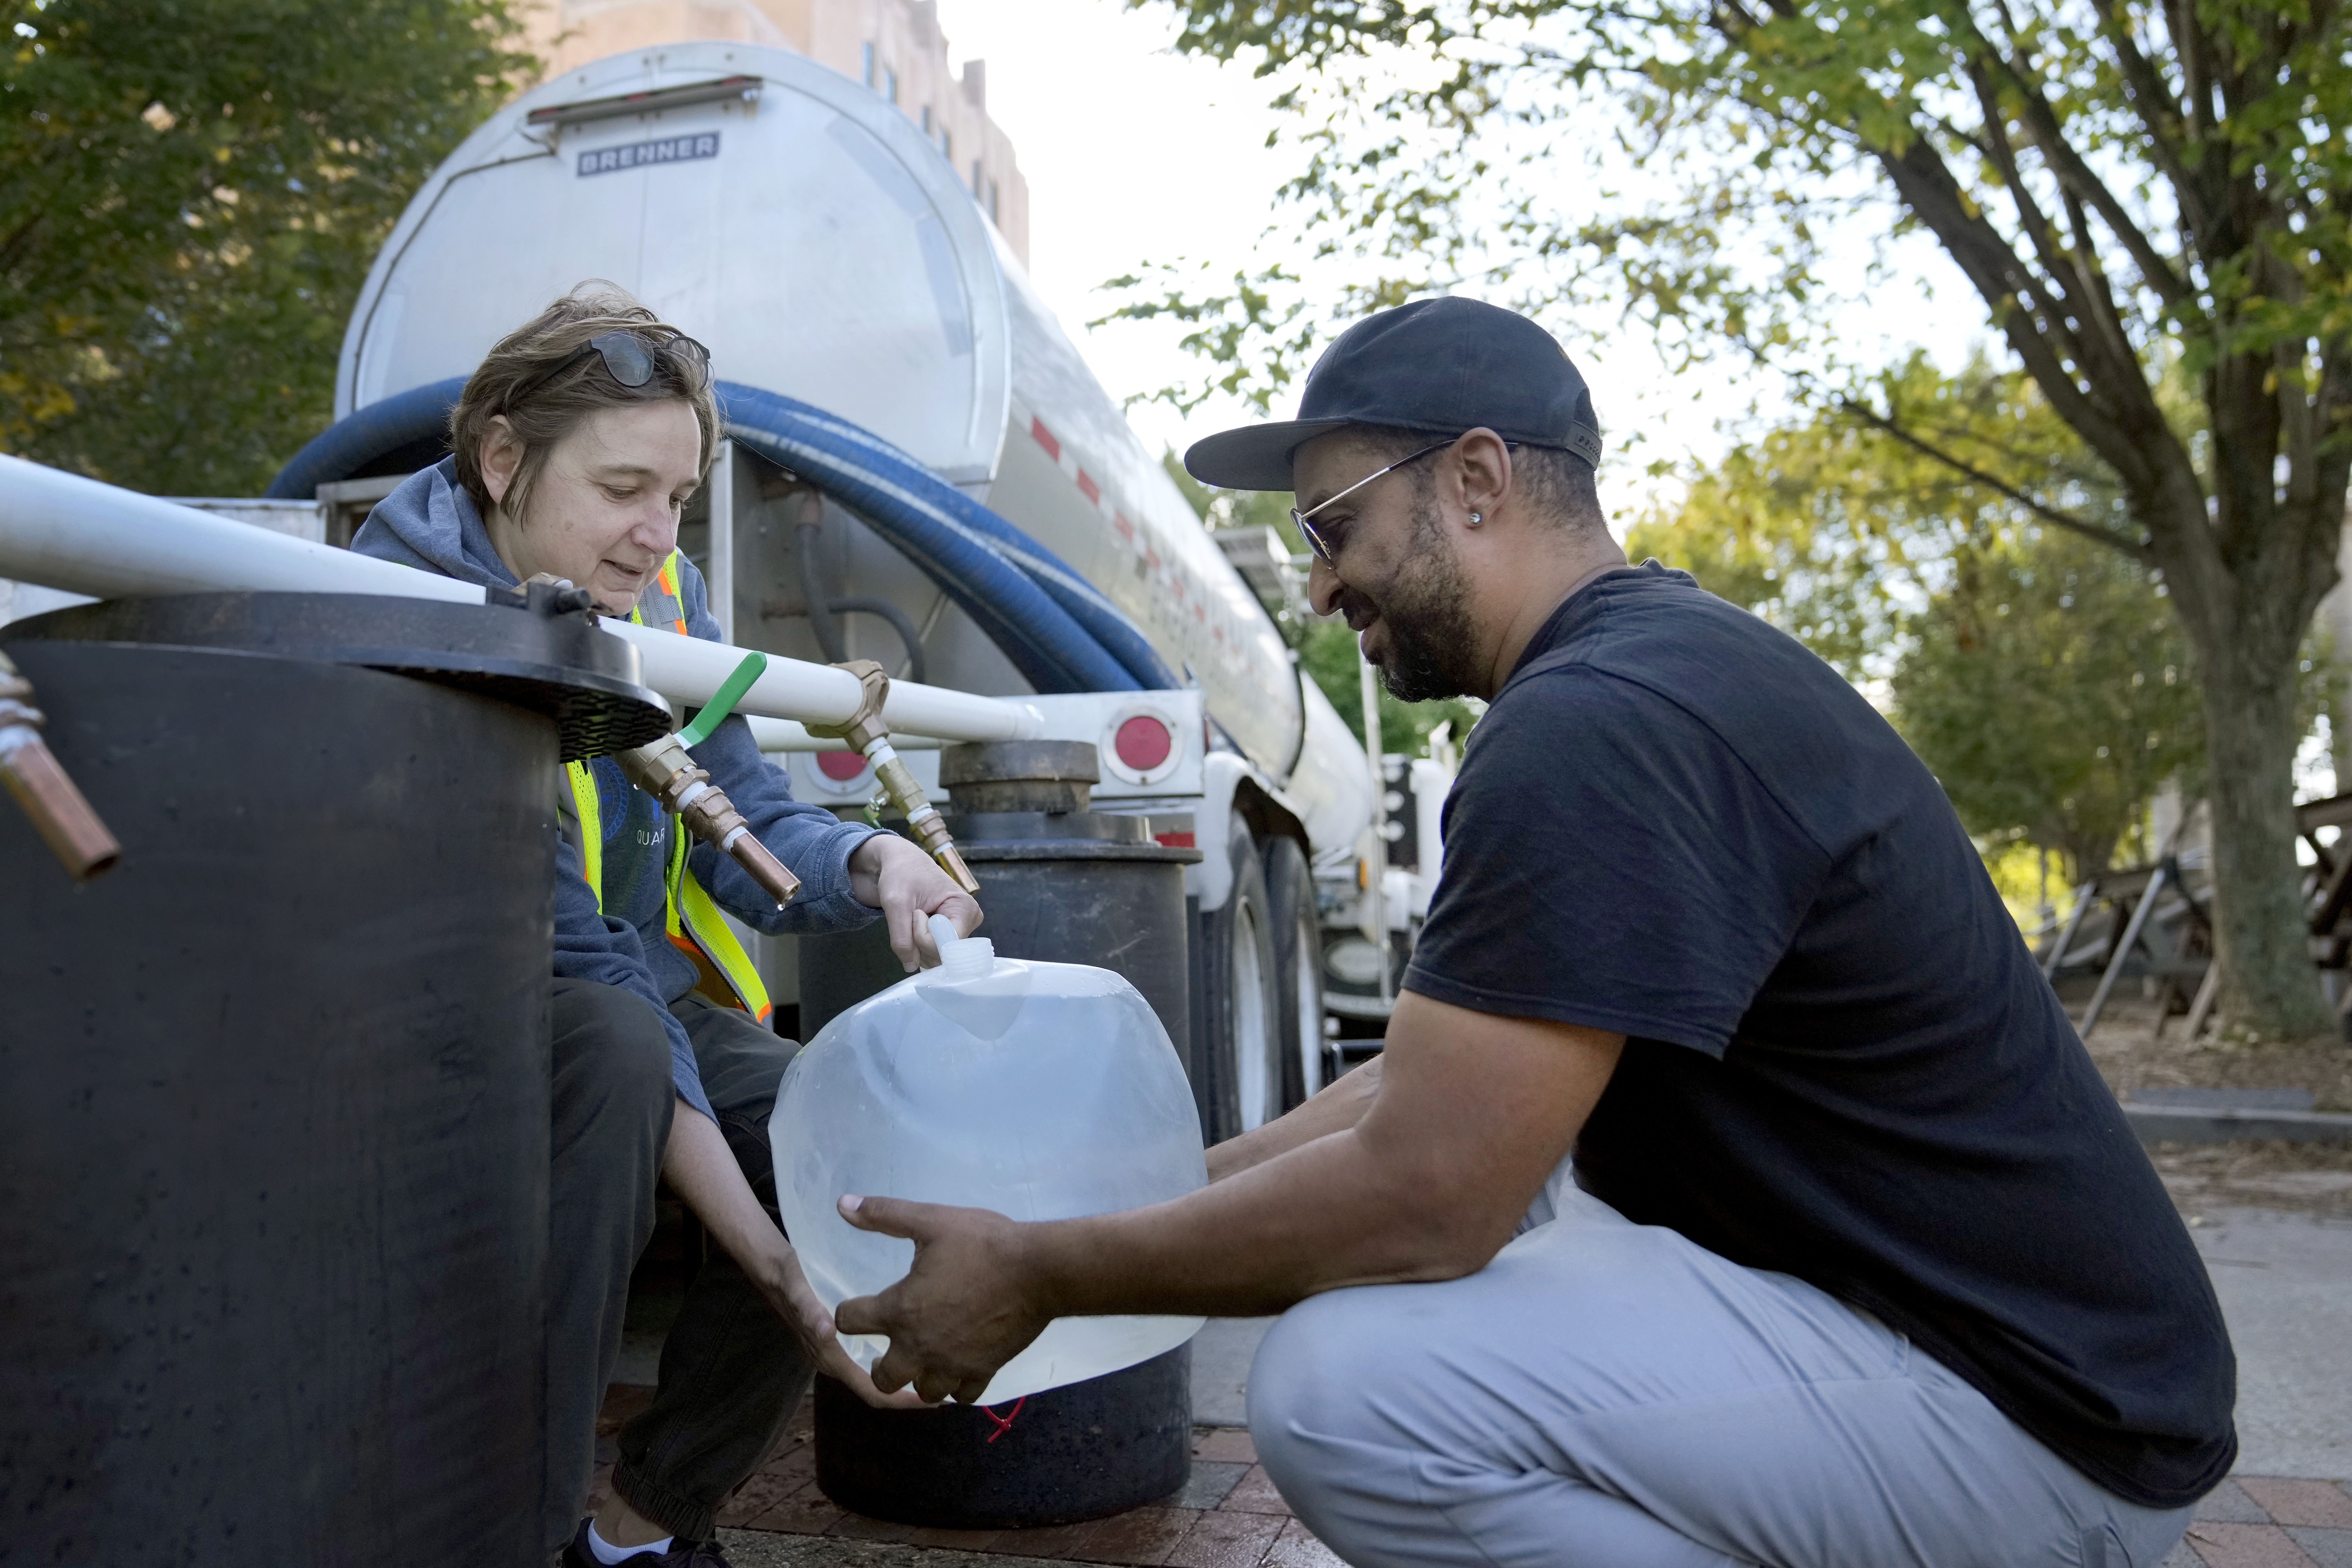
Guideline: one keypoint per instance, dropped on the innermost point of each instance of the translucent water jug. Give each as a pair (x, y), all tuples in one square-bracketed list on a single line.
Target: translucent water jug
[(1039, 1090)]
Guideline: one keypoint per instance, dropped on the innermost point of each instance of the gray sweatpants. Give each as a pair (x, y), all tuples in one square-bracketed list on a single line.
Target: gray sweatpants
[(1605, 1395)]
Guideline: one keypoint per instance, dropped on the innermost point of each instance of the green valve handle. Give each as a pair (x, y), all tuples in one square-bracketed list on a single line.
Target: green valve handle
[(722, 701)]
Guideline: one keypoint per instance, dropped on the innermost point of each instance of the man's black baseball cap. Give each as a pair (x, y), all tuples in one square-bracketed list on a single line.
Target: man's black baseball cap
[(1441, 365)]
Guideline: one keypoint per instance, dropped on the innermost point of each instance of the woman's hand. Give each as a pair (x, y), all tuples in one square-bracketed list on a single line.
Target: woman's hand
[(703, 1173), (890, 874), (775, 1268)]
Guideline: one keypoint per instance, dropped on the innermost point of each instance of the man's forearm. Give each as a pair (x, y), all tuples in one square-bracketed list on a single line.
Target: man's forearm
[(1339, 1106), (1428, 1183), (1317, 1217)]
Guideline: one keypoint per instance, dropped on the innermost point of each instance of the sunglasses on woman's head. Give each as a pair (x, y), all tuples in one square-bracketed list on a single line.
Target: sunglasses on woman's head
[(630, 360)]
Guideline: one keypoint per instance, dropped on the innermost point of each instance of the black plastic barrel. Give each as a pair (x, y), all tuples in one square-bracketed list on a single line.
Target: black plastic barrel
[(1069, 887), (273, 1145)]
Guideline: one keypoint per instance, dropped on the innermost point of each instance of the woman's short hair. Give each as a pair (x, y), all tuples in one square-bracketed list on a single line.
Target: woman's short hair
[(545, 379)]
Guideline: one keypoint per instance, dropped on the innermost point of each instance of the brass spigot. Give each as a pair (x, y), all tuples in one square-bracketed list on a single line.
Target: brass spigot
[(665, 771), (869, 734), (60, 813)]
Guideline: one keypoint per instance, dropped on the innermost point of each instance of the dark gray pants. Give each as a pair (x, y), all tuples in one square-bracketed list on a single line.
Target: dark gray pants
[(731, 1371)]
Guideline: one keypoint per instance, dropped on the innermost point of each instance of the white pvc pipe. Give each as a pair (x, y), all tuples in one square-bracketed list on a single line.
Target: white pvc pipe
[(784, 735), (688, 670), (62, 531)]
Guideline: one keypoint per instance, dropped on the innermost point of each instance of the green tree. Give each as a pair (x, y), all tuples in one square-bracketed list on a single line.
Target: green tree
[(1836, 528), (190, 193), (1325, 648), (2049, 690), (2133, 192), (2041, 676)]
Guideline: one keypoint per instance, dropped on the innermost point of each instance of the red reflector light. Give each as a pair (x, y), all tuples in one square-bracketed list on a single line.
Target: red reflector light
[(1143, 742), (1174, 841), (840, 766)]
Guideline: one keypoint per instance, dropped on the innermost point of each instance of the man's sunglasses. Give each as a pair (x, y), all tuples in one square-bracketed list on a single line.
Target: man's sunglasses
[(1314, 540), (630, 359)]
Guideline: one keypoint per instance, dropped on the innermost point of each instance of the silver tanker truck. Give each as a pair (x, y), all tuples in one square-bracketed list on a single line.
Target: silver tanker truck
[(864, 313)]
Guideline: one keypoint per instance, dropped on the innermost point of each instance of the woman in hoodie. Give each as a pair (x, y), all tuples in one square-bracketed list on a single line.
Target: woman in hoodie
[(575, 448)]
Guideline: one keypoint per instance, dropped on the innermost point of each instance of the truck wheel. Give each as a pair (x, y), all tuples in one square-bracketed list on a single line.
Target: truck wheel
[(1240, 1027), (1297, 970)]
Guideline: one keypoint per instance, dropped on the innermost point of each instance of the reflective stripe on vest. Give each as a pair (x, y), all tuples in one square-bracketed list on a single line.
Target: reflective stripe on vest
[(690, 916), (696, 928), (591, 836), (663, 604)]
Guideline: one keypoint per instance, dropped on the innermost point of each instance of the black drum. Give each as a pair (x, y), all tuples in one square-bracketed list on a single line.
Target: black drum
[(1066, 886), (273, 1148)]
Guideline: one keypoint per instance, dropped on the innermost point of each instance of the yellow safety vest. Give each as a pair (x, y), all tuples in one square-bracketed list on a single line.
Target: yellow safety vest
[(691, 916)]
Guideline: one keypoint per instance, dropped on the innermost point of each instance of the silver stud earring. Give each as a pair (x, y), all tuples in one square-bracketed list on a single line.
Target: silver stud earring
[(1477, 518)]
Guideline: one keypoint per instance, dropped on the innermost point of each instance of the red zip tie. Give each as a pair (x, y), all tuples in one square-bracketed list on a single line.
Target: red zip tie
[(1003, 1423)]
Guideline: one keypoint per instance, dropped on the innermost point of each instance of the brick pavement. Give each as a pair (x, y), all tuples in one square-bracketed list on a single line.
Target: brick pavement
[(1228, 1515), (2263, 1522)]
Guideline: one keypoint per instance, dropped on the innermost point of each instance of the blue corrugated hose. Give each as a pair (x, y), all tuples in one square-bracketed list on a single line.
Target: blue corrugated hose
[(1058, 631), (347, 446), (1085, 603)]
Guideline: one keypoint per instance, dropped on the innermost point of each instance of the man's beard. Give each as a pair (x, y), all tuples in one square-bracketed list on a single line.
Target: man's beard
[(1432, 641)]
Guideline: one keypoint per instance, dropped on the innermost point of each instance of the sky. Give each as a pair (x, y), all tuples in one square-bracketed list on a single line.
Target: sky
[(1134, 154)]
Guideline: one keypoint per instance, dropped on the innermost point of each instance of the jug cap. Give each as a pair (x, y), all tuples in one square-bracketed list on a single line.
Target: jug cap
[(962, 957)]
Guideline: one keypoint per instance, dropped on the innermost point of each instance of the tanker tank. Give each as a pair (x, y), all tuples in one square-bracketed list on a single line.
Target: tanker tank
[(921, 472), (804, 229)]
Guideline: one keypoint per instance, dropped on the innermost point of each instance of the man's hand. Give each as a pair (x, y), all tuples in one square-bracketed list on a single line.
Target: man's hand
[(967, 1306), (1423, 1174), (890, 874)]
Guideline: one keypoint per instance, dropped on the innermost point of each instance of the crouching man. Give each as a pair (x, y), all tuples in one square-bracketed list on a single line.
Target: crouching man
[(1743, 1195)]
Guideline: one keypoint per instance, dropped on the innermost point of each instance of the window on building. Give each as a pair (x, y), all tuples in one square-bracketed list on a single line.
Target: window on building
[(890, 84), (868, 75), (991, 203), (947, 143), (977, 186), (927, 120)]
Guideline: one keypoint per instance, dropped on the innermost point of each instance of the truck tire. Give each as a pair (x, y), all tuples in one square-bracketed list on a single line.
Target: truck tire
[(1240, 1015), (1297, 972)]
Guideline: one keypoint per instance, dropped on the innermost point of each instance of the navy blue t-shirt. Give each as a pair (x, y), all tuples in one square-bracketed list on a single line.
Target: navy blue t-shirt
[(1842, 1063)]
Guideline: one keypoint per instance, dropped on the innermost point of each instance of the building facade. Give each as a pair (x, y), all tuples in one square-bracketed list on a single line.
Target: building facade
[(894, 47)]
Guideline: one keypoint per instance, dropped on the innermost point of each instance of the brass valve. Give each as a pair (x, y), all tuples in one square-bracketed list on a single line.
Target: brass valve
[(665, 771), (869, 734), (30, 769)]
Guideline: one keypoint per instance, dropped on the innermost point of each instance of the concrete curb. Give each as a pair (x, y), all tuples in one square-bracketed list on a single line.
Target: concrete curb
[(2184, 1124)]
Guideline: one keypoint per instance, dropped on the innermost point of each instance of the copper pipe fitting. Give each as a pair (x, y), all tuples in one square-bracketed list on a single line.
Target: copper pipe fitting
[(60, 813), (665, 771), (869, 733)]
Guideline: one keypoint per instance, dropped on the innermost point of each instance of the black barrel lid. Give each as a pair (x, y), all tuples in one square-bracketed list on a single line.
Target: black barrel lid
[(531, 654)]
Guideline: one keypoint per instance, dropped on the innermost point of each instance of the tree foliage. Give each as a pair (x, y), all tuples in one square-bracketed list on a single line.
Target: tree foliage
[(2132, 192), (2048, 690), (190, 193), (2040, 675), (1837, 529)]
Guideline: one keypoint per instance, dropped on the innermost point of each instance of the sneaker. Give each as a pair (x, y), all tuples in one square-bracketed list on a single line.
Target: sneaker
[(681, 1554)]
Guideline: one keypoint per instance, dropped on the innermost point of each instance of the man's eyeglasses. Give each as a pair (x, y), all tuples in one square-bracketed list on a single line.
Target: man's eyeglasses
[(1314, 540), (630, 359)]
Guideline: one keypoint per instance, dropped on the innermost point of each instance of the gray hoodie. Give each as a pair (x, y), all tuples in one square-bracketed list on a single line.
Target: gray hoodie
[(431, 523)]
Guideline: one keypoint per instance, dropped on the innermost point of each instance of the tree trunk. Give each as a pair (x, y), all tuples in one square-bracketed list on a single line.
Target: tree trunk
[(2268, 983)]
